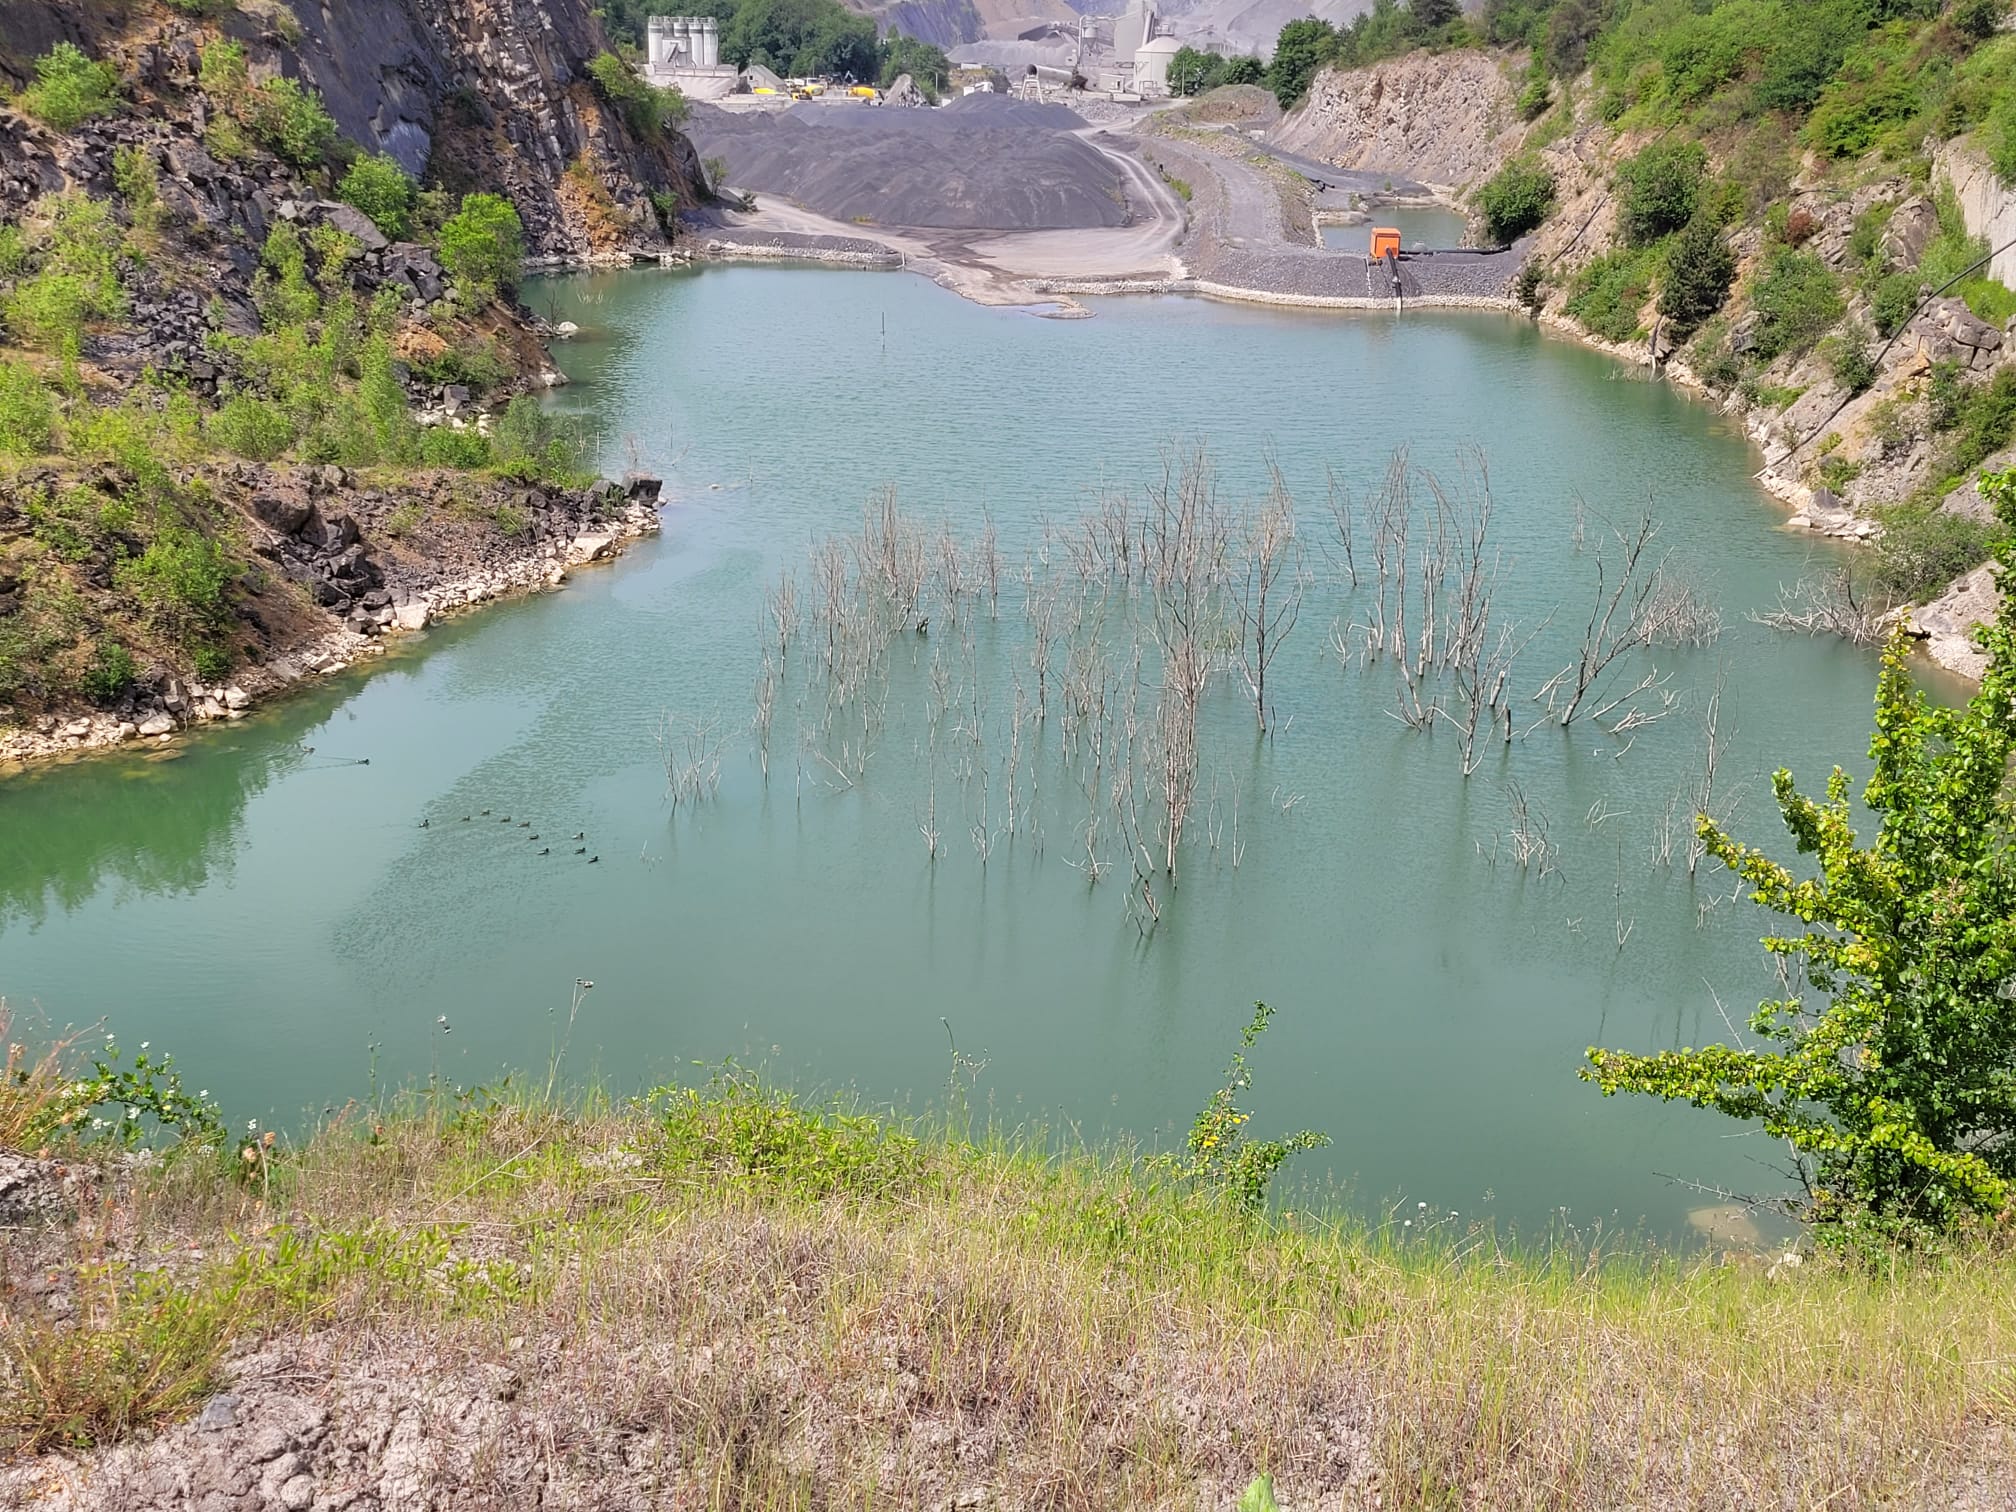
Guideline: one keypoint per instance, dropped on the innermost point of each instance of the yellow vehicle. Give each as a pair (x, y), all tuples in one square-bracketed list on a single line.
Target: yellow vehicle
[(865, 92)]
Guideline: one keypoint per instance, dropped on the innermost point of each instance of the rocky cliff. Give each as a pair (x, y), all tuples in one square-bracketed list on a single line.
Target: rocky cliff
[(314, 563), (1446, 119), (470, 94)]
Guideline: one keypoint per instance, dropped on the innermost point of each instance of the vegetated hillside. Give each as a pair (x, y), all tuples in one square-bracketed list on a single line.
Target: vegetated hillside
[(1756, 196), (228, 302)]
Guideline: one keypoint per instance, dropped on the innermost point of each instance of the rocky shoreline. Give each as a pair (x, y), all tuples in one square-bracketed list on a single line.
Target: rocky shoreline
[(373, 591)]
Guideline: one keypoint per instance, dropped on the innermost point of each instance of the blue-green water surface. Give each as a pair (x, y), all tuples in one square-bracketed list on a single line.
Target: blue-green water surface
[(281, 919)]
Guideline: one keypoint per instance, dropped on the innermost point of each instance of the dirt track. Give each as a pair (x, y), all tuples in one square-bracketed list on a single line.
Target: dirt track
[(1246, 231)]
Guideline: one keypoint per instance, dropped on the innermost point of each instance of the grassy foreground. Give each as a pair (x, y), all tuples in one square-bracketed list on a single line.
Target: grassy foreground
[(807, 1308)]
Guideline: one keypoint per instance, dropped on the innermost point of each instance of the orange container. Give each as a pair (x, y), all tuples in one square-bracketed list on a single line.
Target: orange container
[(1385, 240)]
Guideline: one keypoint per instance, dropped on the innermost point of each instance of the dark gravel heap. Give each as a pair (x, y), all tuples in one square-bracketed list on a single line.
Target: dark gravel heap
[(1002, 167)]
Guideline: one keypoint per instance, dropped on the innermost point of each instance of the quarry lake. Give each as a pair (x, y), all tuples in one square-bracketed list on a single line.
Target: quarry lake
[(296, 926)]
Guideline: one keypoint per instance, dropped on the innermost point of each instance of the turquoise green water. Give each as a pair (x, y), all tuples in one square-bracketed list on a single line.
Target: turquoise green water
[(279, 918)]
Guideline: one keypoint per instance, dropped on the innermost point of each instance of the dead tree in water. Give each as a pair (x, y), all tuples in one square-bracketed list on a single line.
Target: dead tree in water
[(1626, 614), (1825, 605), (1271, 598), (1185, 542)]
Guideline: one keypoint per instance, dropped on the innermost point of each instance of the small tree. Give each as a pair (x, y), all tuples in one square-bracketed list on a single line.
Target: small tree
[(378, 186), (1659, 190), (287, 118), (1898, 1098), (483, 244), (1515, 199), (69, 87), (1698, 274), (1221, 1156), (1303, 47)]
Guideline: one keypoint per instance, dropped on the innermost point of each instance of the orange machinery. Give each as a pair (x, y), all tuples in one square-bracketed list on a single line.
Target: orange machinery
[(1385, 243)]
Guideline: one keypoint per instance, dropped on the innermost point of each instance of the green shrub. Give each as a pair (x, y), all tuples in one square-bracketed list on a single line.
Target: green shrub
[(111, 673), (180, 579), (1979, 18), (529, 442), (444, 446), (27, 413), (76, 278), (476, 364), (138, 181), (1954, 254), (1609, 293), (1796, 299), (1699, 268), (1981, 418), (287, 118), (253, 428), (742, 1130), (1852, 365), (1998, 137), (1659, 189), (1516, 199), (483, 244), (1873, 93), (1893, 301), (378, 186), (69, 88), (645, 109), (223, 72), (1921, 551)]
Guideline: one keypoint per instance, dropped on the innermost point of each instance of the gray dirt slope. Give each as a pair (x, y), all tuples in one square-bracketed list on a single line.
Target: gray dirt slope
[(982, 163)]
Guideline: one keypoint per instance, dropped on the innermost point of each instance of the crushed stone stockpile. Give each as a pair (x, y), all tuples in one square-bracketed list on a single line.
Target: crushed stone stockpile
[(981, 163)]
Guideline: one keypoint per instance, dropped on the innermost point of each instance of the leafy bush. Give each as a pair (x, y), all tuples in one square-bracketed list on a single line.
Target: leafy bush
[(1796, 299), (1853, 367), (742, 1130), (1922, 550), (1895, 1095), (645, 109), (288, 120), (75, 278), (378, 186), (111, 673), (1874, 91), (180, 578), (1517, 198), (27, 413), (483, 244), (1893, 301), (444, 446), (69, 87), (529, 442), (1979, 18), (253, 428), (223, 72), (1609, 293), (1221, 1156), (1699, 269), (1660, 188)]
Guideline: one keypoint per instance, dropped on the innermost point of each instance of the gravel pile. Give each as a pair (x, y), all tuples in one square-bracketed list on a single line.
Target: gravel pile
[(980, 164)]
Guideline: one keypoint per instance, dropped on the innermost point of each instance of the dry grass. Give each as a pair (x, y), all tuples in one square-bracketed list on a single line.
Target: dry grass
[(783, 1316), (31, 1092)]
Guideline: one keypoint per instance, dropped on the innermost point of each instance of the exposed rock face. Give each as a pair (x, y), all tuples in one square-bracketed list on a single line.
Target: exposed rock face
[(28, 1188), (1986, 203), (1446, 119), (494, 94)]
